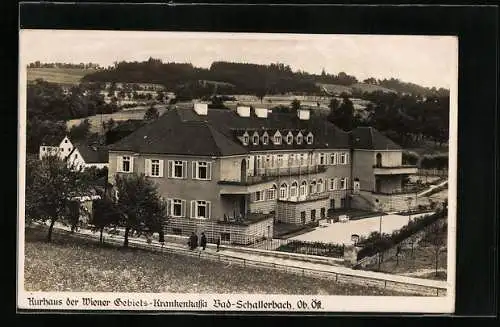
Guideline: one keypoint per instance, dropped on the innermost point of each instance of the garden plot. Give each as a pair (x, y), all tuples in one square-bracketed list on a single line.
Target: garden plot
[(340, 233)]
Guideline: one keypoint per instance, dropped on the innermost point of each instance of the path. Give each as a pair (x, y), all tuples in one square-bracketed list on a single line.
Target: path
[(341, 274)]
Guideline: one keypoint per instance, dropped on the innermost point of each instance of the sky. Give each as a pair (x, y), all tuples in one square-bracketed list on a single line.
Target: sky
[(424, 60)]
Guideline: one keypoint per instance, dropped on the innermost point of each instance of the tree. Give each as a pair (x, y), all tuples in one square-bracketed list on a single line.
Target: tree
[(151, 114), (261, 93), (139, 203), (436, 239), (295, 105), (81, 131), (104, 214), (51, 184)]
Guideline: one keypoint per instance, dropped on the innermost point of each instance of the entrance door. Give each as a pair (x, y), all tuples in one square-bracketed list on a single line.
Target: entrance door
[(243, 208), (243, 171), (377, 185), (332, 203), (356, 186), (313, 214), (303, 217)]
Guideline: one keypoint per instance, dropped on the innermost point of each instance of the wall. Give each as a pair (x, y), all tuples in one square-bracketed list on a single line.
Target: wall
[(239, 234), (363, 169), (289, 212), (389, 158), (230, 168)]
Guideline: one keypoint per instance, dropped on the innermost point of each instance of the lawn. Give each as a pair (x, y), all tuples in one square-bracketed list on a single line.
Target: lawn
[(58, 75), (69, 264)]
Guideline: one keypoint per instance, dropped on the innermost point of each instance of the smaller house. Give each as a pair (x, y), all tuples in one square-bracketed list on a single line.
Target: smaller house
[(63, 149), (85, 156)]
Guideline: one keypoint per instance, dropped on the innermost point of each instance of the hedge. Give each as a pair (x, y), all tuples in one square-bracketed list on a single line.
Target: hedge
[(410, 158), (374, 243), (439, 161), (316, 248)]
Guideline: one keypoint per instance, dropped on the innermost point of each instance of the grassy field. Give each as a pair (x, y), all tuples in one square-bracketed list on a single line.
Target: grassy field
[(58, 75), (338, 89), (68, 264)]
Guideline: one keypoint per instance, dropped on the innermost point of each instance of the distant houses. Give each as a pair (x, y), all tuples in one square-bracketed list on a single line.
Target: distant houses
[(79, 155)]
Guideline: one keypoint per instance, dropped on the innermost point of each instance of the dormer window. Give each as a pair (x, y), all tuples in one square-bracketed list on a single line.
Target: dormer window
[(265, 139), (246, 138), (299, 138), (309, 138), (277, 138), (255, 139), (289, 138)]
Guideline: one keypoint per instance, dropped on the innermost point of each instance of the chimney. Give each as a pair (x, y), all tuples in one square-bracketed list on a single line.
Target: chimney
[(261, 112), (243, 111), (201, 109), (303, 114)]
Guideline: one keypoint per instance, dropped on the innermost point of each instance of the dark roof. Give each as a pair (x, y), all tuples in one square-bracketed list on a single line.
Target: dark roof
[(93, 154), (228, 122), (171, 135), (371, 139), (129, 125), (184, 132)]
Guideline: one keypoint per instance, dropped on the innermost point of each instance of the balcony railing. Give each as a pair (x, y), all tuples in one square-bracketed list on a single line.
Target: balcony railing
[(247, 219), (282, 171), (405, 190), (309, 197), (394, 170)]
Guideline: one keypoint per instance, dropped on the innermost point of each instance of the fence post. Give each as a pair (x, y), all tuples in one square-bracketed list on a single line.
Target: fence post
[(385, 283), (336, 278), (244, 263), (303, 272)]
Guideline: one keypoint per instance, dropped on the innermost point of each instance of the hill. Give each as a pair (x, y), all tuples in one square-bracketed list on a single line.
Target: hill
[(69, 76)]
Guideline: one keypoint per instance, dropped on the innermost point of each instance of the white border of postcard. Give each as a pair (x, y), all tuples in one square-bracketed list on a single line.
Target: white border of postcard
[(206, 302)]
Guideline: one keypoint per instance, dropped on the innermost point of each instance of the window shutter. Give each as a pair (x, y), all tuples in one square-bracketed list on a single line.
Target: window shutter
[(161, 168), (183, 208), (170, 172), (209, 207), (119, 163), (209, 170), (347, 158), (194, 168), (170, 210), (147, 168), (193, 209), (184, 169), (131, 164)]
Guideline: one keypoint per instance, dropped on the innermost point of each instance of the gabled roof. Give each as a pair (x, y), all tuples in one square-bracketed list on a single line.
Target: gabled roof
[(91, 154), (371, 139), (170, 134)]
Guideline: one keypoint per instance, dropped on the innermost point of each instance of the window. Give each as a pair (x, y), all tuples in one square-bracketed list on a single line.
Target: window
[(255, 139), (291, 160), (177, 231), (268, 161), (343, 158), (333, 158), (200, 209), (321, 158), (321, 186), (65, 141), (280, 160), (259, 196), (62, 149), (265, 139), (177, 208), (333, 184), (293, 189), (312, 187), (277, 139), (289, 138), (303, 189), (155, 167), (178, 171), (202, 170), (245, 139), (309, 139), (299, 139), (302, 159), (126, 164), (283, 191), (343, 183), (271, 193)]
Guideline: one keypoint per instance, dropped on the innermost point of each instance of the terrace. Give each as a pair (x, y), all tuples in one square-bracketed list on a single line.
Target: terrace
[(247, 219), (395, 170)]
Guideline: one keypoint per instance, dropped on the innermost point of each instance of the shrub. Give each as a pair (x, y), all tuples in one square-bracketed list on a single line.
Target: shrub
[(439, 161), (410, 158)]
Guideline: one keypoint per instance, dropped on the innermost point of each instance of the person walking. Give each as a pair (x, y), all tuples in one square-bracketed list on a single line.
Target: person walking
[(191, 241), (218, 243), (195, 241), (203, 241)]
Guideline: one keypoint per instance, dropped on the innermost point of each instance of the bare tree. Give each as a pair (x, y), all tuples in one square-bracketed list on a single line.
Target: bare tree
[(436, 239)]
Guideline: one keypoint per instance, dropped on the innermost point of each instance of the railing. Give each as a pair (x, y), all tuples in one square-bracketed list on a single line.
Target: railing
[(248, 219), (249, 180), (413, 286), (291, 170), (308, 197), (394, 167)]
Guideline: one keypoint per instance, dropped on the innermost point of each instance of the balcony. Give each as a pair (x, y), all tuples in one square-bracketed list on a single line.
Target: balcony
[(250, 185), (395, 170), (401, 191), (247, 219), (291, 171)]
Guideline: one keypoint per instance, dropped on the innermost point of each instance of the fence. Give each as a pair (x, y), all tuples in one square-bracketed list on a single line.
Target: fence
[(433, 172), (414, 287)]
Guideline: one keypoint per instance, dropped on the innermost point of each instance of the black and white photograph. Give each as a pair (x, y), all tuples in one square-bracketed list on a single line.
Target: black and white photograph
[(202, 171)]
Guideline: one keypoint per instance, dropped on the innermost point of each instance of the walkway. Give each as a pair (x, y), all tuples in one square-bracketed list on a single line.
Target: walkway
[(322, 270)]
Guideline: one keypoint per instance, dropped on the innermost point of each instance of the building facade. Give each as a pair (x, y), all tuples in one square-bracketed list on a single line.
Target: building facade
[(234, 174)]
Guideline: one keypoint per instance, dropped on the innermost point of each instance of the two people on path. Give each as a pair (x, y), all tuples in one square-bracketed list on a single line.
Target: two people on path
[(193, 241)]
